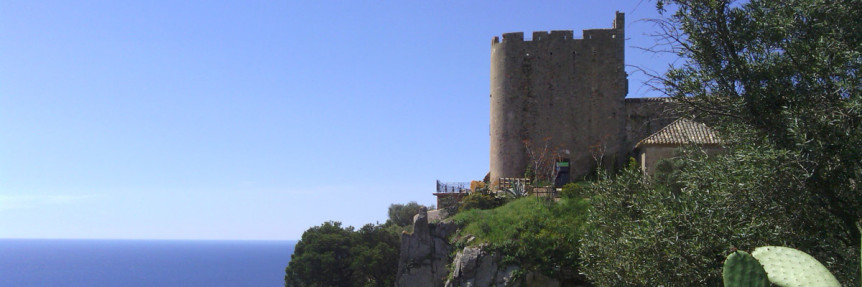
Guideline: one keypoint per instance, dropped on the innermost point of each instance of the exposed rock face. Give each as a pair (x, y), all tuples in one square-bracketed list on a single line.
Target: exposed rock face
[(425, 256), (476, 267), (425, 253)]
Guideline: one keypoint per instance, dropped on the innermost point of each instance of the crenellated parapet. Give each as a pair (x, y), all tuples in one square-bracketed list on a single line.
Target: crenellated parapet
[(538, 36), (558, 89)]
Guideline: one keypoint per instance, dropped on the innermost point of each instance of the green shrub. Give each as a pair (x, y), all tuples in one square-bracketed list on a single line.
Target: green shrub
[(530, 234), (667, 173), (479, 200), (644, 234), (402, 214), (332, 255), (449, 204), (574, 189), (783, 74)]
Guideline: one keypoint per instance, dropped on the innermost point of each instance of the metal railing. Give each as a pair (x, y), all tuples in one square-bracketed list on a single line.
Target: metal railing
[(453, 187)]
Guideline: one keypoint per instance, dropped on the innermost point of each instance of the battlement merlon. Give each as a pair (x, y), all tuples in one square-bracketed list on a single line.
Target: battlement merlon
[(620, 21), (616, 31)]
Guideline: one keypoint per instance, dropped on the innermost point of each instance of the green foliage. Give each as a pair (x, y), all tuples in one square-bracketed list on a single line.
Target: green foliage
[(787, 74), (633, 163), (645, 234), (449, 204), (574, 190), (529, 172), (742, 270), (529, 233), (332, 255), (480, 200), (322, 252), (781, 81), (790, 267), (402, 214), (667, 173), (375, 257)]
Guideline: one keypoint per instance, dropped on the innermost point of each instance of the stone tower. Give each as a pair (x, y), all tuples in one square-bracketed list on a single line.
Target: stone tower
[(555, 89)]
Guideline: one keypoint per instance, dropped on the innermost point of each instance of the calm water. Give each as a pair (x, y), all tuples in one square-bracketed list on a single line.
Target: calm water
[(28, 262)]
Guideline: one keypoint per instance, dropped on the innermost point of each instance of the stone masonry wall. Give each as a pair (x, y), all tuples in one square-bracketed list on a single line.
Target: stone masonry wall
[(557, 89), (646, 116)]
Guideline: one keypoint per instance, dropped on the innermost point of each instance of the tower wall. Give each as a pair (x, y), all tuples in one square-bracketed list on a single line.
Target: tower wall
[(555, 89), (646, 116)]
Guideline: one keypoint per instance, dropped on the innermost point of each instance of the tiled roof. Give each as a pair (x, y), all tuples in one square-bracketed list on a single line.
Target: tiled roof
[(649, 100), (683, 131)]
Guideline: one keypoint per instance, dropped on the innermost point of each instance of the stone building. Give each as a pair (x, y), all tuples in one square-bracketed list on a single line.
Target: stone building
[(569, 94), (666, 142)]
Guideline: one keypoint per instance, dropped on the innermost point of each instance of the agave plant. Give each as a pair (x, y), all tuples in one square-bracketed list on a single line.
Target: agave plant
[(517, 190)]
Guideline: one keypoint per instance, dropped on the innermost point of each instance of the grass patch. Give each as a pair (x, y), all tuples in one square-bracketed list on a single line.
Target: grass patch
[(530, 232)]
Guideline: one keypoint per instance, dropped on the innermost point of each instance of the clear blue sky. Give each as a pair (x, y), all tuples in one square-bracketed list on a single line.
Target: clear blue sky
[(249, 119)]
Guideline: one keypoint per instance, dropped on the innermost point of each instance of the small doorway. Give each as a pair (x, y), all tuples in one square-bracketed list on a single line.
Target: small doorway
[(563, 177)]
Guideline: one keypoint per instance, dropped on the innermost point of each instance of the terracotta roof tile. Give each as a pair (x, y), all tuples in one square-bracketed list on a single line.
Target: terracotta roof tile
[(683, 131), (649, 100)]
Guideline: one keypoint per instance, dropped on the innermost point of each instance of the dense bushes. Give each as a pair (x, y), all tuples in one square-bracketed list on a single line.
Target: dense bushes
[(332, 255), (780, 81), (530, 233), (574, 189), (480, 200), (645, 233), (402, 214)]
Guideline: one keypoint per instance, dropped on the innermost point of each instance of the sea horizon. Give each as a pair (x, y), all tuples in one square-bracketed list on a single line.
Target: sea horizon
[(144, 239), (143, 262)]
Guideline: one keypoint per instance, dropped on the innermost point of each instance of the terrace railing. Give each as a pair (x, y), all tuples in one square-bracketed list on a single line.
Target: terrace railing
[(453, 187)]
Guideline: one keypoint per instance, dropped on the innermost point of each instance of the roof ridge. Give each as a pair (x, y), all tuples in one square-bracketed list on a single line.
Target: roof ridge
[(682, 131), (658, 132)]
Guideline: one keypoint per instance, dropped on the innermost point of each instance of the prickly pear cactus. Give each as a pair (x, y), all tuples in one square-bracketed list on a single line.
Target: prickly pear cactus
[(788, 267), (742, 270)]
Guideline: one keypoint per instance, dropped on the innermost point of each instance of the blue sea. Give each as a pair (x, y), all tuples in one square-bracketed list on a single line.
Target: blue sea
[(60, 262)]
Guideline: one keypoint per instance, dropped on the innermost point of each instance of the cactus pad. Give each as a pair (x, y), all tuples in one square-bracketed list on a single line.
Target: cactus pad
[(742, 270), (788, 267)]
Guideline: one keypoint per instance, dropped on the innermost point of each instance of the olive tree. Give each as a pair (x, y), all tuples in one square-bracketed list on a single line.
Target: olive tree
[(780, 80)]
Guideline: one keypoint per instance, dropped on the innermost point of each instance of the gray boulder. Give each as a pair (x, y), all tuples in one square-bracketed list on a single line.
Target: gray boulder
[(424, 253)]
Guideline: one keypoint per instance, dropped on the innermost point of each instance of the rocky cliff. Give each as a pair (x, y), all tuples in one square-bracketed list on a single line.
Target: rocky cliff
[(477, 267), (426, 255)]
